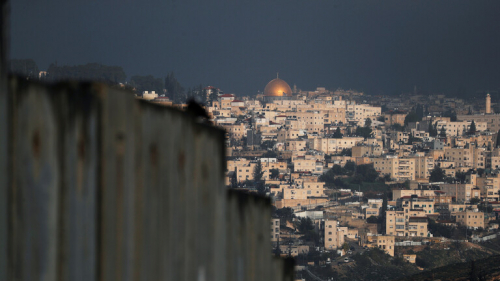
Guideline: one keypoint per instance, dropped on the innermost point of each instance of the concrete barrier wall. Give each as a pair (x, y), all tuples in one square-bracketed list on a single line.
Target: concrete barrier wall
[(483, 239), (106, 187)]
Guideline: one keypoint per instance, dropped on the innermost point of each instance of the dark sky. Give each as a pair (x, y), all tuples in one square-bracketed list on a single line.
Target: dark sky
[(377, 46)]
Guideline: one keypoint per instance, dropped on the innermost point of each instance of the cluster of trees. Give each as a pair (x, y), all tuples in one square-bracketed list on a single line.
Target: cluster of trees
[(337, 134), (147, 83), (433, 132), (438, 175), (89, 71), (24, 67), (366, 130), (257, 178), (174, 90), (344, 152), (306, 227), (450, 232), (416, 114), (360, 173), (113, 75)]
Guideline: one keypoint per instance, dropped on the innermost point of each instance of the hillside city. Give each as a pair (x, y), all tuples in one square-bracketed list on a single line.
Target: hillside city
[(361, 184), (362, 187)]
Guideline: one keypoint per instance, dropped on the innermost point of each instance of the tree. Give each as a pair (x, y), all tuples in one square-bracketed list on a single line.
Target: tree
[(452, 114), (345, 246), (366, 173), (234, 180), (368, 122), (285, 213), (268, 144), (437, 175), (328, 177), (89, 71), (174, 89), (346, 152), (442, 133), (432, 129), (304, 225), (419, 110), (212, 93), (411, 117), (337, 134), (24, 67), (274, 173), (397, 127), (498, 139), (258, 172), (410, 139), (270, 154), (480, 172), (472, 129), (350, 166), (460, 176), (364, 132), (147, 83), (257, 178), (474, 201), (383, 212)]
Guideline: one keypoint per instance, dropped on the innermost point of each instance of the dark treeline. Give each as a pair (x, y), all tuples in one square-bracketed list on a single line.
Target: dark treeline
[(26, 67), (90, 71), (168, 86)]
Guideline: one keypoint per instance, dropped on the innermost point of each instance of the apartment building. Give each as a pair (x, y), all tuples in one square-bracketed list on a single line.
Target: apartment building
[(398, 193), (286, 134), (275, 230), (334, 237), (400, 169), (459, 128), (468, 158), (359, 112), (367, 150), (470, 219), (492, 120), (295, 144), (373, 208), (272, 163), (488, 184), (314, 188), (294, 192), (462, 192), (334, 115), (406, 222), (244, 169), (386, 243), (332, 146), (294, 250), (414, 202), (392, 118), (423, 166), (311, 121), (297, 195), (303, 164), (236, 131)]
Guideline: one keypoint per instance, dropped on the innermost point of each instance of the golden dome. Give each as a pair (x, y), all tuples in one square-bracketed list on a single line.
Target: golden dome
[(277, 88)]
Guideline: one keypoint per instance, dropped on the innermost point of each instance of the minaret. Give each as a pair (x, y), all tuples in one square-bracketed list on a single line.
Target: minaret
[(488, 104)]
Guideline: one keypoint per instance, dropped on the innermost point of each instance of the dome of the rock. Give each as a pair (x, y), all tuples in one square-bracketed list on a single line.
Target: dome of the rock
[(277, 88)]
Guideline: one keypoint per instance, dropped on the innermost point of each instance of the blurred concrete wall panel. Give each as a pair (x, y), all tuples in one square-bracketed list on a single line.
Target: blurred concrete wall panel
[(101, 186)]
